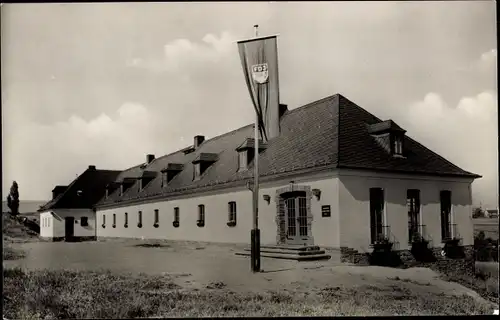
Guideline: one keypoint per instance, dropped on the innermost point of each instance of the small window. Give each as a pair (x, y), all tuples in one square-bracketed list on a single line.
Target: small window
[(126, 220), (201, 215), (398, 146), (84, 222), (103, 220), (114, 220), (121, 190), (163, 179), (139, 219), (197, 170), (157, 218), (176, 217), (242, 160), (446, 215), (232, 211)]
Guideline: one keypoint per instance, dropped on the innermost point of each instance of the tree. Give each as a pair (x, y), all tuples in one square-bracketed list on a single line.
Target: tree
[(13, 199), (478, 213)]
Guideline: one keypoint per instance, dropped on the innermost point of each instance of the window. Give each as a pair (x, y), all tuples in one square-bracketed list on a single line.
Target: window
[(163, 179), (376, 214), (157, 218), (398, 145), (413, 205), (103, 220), (121, 190), (114, 220), (139, 219), (232, 212), (126, 220), (197, 170), (201, 215), (242, 160), (84, 222), (176, 214), (446, 231)]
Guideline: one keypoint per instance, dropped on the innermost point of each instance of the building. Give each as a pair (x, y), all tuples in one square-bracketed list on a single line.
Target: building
[(70, 213), (336, 176)]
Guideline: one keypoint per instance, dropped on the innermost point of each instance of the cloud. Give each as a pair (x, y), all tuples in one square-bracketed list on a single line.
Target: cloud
[(489, 56), (465, 135), (179, 55), (55, 154)]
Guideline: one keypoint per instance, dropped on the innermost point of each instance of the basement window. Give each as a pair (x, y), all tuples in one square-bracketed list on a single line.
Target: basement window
[(84, 221)]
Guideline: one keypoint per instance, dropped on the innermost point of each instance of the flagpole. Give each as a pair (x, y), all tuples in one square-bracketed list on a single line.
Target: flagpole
[(255, 234)]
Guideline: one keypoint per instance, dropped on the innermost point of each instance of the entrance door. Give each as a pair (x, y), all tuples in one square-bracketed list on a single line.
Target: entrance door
[(69, 228), (296, 218)]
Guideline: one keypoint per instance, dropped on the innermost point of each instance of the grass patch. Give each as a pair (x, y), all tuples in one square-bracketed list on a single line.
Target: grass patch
[(10, 253), (152, 245), (78, 294)]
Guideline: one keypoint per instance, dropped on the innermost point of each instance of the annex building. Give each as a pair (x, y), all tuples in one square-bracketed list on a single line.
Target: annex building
[(335, 176)]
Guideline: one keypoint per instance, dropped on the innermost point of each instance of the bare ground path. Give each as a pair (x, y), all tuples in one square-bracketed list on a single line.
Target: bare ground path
[(203, 265)]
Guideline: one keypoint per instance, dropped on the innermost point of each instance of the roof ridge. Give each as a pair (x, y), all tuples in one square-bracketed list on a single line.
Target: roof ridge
[(61, 195), (310, 104), (180, 150)]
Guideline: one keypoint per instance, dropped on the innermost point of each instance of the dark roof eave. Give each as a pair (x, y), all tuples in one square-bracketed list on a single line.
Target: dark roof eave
[(437, 174), (217, 186)]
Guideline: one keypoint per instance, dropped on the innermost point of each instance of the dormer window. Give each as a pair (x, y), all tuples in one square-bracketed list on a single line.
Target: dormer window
[(202, 162), (170, 172), (246, 153), (398, 146), (389, 136), (145, 178)]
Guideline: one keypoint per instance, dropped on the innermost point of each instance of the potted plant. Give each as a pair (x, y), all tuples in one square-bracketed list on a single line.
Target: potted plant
[(156, 225), (231, 223), (420, 249), (139, 225), (103, 226), (126, 225), (200, 223), (175, 224)]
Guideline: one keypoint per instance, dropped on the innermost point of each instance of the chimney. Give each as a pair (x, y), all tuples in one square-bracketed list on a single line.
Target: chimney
[(150, 158), (198, 140), (91, 167), (283, 109), (58, 190)]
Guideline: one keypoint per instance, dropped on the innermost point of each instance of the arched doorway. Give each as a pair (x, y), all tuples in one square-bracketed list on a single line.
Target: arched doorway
[(294, 215)]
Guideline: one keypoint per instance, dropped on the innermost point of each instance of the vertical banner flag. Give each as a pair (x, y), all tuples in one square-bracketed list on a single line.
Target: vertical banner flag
[(259, 59)]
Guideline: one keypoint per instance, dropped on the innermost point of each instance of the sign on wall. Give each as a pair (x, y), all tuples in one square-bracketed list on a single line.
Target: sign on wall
[(326, 211)]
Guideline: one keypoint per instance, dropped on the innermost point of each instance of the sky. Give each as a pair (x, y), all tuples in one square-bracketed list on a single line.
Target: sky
[(107, 83)]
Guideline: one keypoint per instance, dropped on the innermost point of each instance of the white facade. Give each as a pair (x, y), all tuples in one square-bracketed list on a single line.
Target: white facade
[(52, 223), (346, 192)]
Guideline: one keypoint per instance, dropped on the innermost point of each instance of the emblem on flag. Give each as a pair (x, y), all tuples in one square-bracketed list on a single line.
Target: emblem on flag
[(260, 73)]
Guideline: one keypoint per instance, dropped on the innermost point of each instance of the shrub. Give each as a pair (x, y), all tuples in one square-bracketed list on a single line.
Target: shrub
[(383, 255), (420, 249)]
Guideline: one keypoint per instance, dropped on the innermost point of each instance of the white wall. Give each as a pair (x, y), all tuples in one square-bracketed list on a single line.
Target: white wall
[(56, 223), (46, 224), (325, 230), (354, 204)]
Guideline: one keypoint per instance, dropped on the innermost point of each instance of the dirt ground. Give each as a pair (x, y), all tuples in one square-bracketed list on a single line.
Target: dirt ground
[(202, 265)]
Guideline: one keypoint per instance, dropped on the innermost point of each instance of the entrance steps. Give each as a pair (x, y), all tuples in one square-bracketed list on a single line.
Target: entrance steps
[(289, 252)]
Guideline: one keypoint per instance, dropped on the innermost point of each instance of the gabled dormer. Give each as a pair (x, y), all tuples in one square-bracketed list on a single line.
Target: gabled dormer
[(111, 187), (390, 136), (202, 162), (168, 173), (246, 152), (145, 177), (125, 184)]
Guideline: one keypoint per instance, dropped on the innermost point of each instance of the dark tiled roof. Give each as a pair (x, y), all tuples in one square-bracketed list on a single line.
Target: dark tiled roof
[(331, 132), (384, 126), (92, 184)]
